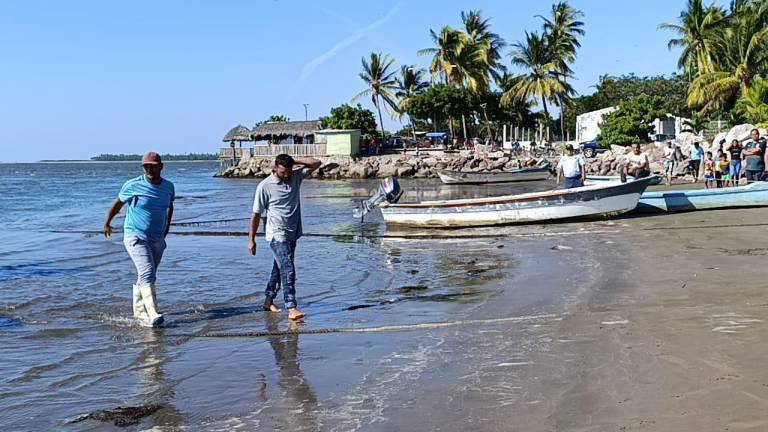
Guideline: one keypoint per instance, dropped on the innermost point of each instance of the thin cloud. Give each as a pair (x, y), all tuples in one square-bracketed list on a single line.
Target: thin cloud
[(313, 64)]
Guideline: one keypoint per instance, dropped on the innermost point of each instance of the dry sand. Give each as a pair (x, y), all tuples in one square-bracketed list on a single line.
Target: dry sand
[(672, 337)]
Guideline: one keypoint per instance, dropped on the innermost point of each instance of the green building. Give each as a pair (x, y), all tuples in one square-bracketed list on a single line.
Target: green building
[(340, 142)]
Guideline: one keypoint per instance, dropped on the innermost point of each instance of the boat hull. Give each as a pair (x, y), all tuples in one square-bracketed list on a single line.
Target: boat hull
[(595, 179), (752, 195), (525, 174), (598, 200)]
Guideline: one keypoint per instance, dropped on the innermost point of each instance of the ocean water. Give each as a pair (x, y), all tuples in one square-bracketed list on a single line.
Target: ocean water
[(70, 347)]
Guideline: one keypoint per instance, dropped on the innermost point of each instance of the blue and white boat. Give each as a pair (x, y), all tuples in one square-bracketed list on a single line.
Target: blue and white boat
[(751, 195)]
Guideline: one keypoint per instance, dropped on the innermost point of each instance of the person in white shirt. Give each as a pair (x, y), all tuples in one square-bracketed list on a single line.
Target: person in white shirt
[(670, 161), (637, 164), (570, 168)]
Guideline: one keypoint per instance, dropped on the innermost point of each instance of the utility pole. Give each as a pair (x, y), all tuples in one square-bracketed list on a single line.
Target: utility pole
[(305, 112), (488, 138)]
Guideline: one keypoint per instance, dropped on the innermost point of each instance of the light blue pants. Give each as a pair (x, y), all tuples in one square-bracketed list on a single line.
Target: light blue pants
[(146, 256)]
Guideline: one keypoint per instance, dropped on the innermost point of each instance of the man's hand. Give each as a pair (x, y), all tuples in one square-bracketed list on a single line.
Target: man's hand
[(252, 247), (113, 211)]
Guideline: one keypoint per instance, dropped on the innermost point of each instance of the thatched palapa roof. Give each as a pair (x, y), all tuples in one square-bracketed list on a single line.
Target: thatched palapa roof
[(238, 133), (294, 128)]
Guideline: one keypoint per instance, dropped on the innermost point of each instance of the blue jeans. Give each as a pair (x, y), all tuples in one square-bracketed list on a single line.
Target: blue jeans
[(753, 176), (573, 182), (735, 170), (283, 272), (146, 256)]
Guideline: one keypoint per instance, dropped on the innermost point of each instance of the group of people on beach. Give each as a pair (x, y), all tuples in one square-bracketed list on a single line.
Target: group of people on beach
[(149, 201), (723, 170), (726, 167)]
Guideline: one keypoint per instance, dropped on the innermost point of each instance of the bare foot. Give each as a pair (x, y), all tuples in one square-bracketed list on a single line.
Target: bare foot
[(269, 306), (294, 314)]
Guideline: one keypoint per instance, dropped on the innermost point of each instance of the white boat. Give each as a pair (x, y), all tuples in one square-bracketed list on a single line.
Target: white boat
[(594, 179), (592, 200), (540, 172), (752, 195)]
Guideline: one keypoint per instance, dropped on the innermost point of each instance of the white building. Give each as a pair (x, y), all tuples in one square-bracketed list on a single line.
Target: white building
[(588, 124)]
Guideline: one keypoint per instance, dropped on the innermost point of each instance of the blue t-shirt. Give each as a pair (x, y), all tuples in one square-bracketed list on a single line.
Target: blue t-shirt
[(697, 154), (147, 214)]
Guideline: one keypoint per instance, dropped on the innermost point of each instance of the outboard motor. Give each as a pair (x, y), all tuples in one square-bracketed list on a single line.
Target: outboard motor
[(389, 191)]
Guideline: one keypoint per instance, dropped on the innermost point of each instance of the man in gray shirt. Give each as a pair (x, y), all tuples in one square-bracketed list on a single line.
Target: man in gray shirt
[(277, 199)]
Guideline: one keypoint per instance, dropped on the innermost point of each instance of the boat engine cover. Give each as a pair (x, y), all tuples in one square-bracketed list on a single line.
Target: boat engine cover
[(389, 191)]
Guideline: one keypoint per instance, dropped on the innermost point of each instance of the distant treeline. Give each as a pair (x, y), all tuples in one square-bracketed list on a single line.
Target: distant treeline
[(166, 157)]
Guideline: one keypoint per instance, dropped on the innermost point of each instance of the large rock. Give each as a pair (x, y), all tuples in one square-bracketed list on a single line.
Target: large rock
[(422, 173), (387, 170), (740, 132), (430, 161), (405, 171), (619, 150), (721, 138)]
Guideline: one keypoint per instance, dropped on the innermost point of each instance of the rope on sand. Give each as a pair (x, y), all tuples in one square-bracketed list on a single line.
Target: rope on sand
[(425, 236), (382, 329)]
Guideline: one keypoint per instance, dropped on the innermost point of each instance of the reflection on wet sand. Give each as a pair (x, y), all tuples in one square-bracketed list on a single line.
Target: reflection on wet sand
[(296, 408), (157, 390), (153, 407)]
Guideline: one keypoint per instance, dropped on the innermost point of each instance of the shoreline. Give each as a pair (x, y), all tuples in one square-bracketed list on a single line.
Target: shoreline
[(427, 165)]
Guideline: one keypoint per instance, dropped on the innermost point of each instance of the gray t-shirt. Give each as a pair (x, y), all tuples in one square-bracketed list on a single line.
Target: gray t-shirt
[(278, 202), (756, 162)]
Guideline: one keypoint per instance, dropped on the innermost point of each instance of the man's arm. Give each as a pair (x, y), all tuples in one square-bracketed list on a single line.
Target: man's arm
[(559, 174), (255, 218), (583, 170), (113, 211), (644, 165), (170, 218), (310, 163)]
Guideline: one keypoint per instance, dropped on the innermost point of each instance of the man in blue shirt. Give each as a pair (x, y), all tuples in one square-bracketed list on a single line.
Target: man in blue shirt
[(694, 165), (150, 209)]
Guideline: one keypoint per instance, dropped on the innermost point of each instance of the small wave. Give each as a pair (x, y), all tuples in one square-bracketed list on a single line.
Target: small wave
[(382, 329), (53, 333), (10, 323)]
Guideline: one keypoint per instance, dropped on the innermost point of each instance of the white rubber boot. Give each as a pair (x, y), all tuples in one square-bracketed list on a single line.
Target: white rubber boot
[(139, 311), (148, 295)]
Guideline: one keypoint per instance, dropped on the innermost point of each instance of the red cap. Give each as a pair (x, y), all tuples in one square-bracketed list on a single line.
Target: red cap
[(151, 158)]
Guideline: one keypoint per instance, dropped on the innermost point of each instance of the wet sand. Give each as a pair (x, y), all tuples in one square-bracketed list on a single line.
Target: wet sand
[(658, 328), (670, 336)]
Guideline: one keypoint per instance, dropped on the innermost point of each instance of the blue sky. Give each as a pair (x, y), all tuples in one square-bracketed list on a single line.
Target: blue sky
[(79, 78)]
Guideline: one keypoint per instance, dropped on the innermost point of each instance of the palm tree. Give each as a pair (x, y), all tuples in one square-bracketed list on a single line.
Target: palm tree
[(695, 124), (698, 28), (478, 32), (562, 32), (483, 62), (518, 110), (443, 54), (380, 82), (742, 54), (753, 103), (543, 80), (409, 85)]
